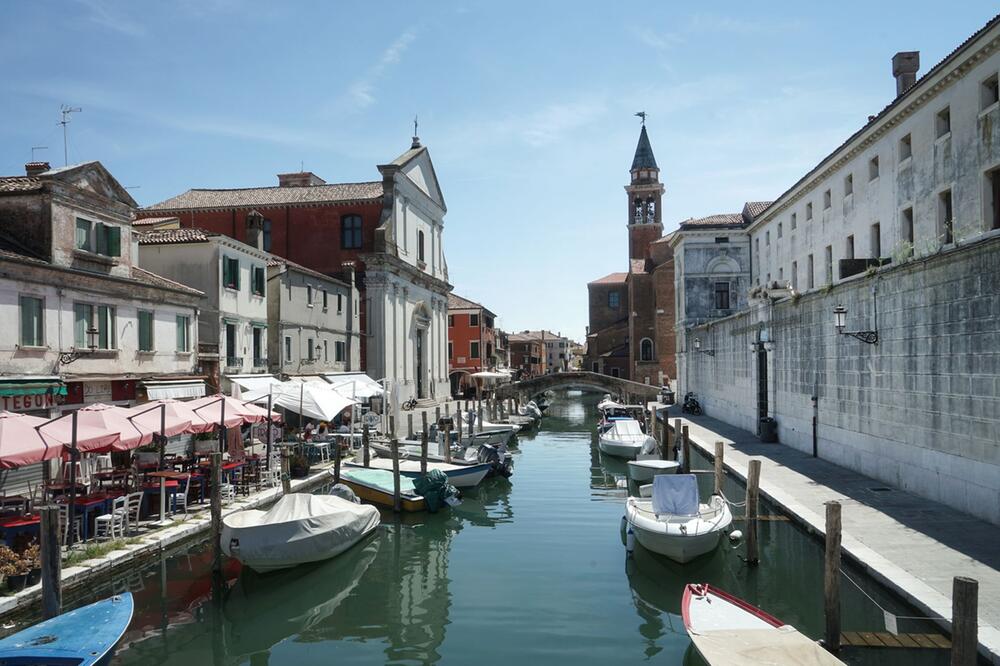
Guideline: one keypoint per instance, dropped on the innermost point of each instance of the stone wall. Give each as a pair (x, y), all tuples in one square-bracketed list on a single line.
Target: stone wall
[(919, 411)]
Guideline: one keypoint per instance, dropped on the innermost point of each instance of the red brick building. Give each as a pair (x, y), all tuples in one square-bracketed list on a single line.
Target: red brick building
[(471, 341), (632, 314), (527, 355)]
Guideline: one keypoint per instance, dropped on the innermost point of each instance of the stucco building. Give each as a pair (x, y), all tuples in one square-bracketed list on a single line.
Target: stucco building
[(472, 341), (527, 355), (631, 314), (391, 229)]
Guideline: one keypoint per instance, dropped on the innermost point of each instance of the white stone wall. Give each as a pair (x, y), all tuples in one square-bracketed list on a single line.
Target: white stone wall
[(920, 410), (957, 160)]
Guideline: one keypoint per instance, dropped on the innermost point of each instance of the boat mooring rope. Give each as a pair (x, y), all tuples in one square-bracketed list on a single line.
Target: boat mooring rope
[(881, 608)]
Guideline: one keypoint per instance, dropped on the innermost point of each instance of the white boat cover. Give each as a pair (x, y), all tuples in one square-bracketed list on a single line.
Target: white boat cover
[(299, 528), (783, 646), (626, 429), (609, 404), (675, 494)]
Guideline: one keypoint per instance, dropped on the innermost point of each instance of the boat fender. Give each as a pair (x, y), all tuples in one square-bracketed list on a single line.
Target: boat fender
[(735, 535), (234, 546), (629, 540)]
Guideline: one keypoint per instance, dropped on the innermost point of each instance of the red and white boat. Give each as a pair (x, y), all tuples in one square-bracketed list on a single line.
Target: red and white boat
[(728, 631)]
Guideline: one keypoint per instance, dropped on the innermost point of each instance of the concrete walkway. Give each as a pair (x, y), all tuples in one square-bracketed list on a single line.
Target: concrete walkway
[(912, 545)]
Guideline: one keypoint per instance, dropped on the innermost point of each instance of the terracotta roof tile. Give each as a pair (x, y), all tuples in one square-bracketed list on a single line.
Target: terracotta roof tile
[(755, 208), (154, 280), (456, 302), (271, 196), (20, 183), (611, 278), (718, 220), (276, 261), (170, 236), (150, 221)]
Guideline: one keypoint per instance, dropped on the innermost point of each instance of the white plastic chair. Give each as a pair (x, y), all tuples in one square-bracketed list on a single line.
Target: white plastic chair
[(227, 492), (112, 525)]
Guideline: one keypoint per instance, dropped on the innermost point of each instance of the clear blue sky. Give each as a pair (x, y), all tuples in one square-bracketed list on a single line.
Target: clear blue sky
[(526, 108)]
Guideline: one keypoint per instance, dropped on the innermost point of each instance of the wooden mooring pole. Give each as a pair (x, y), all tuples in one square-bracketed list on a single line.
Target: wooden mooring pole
[(51, 562), (678, 439), (720, 471), (423, 448), (409, 425), (664, 442), (394, 444), (964, 621), (831, 578), (365, 455), (217, 504), (286, 472), (336, 460), (447, 439), (753, 492), (686, 451)]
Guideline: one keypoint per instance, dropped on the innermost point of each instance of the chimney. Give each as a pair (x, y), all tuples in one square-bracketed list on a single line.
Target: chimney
[(35, 168), (904, 67), (255, 230), (300, 179)]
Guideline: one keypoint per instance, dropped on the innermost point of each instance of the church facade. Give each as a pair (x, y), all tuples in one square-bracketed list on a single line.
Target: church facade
[(631, 313)]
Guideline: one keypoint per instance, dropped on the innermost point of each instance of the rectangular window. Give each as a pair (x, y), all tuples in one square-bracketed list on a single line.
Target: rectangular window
[(794, 221), (613, 300), (474, 349), (309, 349), (231, 350), (848, 184), (32, 333), (350, 232), (451, 321), (145, 330), (809, 211), (849, 247), (767, 238), (473, 320), (451, 352), (827, 199), (259, 280), (340, 303), (906, 231), (873, 168), (309, 295), (420, 245), (326, 352), (183, 333), (810, 273), (829, 264), (83, 235), (98, 237), (989, 93), (340, 351), (942, 122), (721, 239), (258, 347), (945, 222), (779, 229), (876, 240), (267, 235), (288, 349), (326, 300), (795, 275), (905, 148), (84, 322), (721, 295), (231, 273), (992, 199)]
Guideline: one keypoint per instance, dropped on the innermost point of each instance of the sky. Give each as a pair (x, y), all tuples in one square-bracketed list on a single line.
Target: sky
[(526, 108)]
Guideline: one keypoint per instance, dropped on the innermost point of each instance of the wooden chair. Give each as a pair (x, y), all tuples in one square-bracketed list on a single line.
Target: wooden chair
[(133, 505), (112, 525), (64, 526), (180, 498)]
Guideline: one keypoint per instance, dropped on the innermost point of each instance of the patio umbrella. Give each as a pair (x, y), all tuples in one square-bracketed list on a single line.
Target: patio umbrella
[(20, 443), (115, 419), (87, 438), (174, 417), (313, 399), (236, 413)]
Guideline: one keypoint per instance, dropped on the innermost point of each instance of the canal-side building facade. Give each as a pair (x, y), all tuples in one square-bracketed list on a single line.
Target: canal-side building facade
[(391, 229), (527, 355), (898, 227), (472, 341), (631, 314)]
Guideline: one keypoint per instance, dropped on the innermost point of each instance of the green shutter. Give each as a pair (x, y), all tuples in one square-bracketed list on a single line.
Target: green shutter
[(236, 273), (182, 333), (114, 242), (31, 321), (101, 236), (145, 331), (225, 271)]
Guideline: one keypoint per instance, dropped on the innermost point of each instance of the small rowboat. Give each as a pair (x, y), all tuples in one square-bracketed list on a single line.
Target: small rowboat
[(376, 485), (728, 631), (81, 637)]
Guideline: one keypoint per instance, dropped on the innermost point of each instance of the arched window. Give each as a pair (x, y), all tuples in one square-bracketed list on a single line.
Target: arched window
[(638, 211), (350, 232), (650, 210), (646, 350), (420, 245)]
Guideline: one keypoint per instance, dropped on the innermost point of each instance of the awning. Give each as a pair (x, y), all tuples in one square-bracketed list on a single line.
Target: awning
[(354, 384), (254, 386), (178, 388), (31, 386)]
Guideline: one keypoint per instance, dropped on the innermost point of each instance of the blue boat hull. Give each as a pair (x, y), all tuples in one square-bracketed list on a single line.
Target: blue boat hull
[(81, 637)]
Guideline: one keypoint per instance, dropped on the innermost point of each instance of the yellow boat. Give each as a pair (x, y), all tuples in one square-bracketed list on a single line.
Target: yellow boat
[(376, 486)]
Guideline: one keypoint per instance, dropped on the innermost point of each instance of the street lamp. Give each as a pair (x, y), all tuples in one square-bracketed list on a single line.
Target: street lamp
[(697, 348), (65, 358), (840, 321)]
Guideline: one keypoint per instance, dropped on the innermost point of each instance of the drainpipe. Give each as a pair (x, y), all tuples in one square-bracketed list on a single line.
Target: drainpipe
[(815, 406), (348, 267)]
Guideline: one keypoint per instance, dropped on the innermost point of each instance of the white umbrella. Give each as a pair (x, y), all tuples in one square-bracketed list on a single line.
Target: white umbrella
[(313, 399)]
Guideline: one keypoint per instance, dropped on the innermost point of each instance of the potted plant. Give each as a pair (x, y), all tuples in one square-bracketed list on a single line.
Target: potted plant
[(14, 568), (32, 556)]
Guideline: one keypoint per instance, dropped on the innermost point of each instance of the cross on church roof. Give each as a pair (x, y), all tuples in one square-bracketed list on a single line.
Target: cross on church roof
[(642, 114)]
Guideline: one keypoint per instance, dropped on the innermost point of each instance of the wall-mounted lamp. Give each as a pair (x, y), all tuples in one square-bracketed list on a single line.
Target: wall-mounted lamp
[(65, 358), (840, 320), (697, 348)]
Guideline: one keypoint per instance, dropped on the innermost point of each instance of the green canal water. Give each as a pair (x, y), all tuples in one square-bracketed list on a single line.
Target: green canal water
[(527, 571)]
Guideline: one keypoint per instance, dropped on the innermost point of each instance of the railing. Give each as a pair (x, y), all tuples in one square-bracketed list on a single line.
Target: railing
[(259, 362), (234, 362)]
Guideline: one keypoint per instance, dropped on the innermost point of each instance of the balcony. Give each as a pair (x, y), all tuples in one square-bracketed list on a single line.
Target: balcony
[(259, 363), (234, 364)]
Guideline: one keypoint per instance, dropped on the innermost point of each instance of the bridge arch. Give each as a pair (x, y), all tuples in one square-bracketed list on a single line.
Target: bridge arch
[(586, 380)]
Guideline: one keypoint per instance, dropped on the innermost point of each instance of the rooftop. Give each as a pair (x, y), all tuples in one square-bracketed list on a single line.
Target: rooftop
[(611, 278), (718, 220), (277, 262), (644, 158), (20, 183), (271, 196), (153, 221), (171, 236)]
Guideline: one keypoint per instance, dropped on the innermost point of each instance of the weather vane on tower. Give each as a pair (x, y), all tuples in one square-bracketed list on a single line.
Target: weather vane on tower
[(642, 114)]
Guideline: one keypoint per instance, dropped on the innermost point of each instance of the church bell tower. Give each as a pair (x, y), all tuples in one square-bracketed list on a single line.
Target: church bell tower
[(644, 195)]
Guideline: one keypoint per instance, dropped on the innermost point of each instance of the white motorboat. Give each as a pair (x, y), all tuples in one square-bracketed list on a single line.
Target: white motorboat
[(625, 439), (531, 409), (728, 631), (673, 522), (489, 426), (460, 476), (299, 528), (643, 471)]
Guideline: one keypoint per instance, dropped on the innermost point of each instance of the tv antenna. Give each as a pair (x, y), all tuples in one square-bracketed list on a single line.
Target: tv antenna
[(34, 148), (66, 110)]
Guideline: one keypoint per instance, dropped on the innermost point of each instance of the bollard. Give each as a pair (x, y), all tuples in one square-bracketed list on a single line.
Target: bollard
[(286, 472), (686, 450), (51, 563), (461, 417), (364, 445), (394, 444), (964, 621), (831, 578), (753, 483), (217, 505), (720, 472), (392, 427)]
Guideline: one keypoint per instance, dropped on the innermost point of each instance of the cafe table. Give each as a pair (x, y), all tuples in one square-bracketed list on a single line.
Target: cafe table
[(11, 526), (87, 504), (165, 476)]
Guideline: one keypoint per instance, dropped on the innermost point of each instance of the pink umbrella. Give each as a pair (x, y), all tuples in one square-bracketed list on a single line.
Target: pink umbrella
[(174, 417), (236, 412), (20, 443), (115, 419), (86, 439)]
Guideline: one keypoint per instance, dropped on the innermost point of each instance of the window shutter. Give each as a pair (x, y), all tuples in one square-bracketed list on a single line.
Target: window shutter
[(236, 273), (100, 232), (225, 272), (114, 242)]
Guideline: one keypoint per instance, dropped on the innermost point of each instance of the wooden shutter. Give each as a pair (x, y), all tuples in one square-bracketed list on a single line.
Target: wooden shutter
[(100, 233), (114, 241)]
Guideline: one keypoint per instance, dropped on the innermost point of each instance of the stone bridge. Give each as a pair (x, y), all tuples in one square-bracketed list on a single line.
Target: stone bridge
[(633, 391)]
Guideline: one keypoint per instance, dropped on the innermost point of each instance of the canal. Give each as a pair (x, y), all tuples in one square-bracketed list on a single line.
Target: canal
[(532, 569)]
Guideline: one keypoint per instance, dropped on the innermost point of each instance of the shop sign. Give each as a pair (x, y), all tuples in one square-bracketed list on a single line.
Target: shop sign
[(27, 403)]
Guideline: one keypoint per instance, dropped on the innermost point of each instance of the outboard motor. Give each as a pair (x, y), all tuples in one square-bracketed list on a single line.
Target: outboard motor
[(498, 463)]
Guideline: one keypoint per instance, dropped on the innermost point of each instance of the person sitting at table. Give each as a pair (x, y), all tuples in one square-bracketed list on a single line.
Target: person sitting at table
[(307, 433), (323, 429)]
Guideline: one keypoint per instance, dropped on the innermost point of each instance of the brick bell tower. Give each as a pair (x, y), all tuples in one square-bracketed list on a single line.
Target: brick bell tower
[(644, 195)]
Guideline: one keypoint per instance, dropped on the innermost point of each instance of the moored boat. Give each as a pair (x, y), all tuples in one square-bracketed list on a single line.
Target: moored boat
[(728, 631), (82, 637), (673, 522), (298, 528), (460, 476), (376, 485), (642, 471), (625, 439)]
